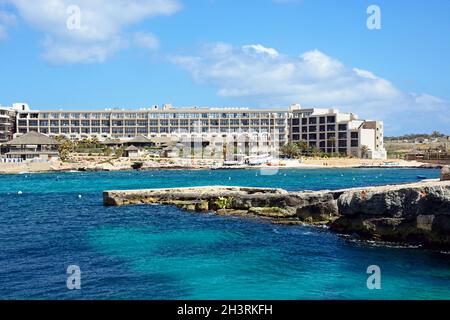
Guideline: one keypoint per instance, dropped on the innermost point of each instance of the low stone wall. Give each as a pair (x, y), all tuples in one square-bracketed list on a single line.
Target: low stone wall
[(418, 212)]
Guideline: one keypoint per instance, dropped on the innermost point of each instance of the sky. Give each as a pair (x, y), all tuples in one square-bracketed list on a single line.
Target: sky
[(96, 54)]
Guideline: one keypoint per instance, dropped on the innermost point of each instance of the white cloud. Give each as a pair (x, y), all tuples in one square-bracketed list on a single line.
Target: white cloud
[(102, 29), (6, 20), (146, 40), (257, 75)]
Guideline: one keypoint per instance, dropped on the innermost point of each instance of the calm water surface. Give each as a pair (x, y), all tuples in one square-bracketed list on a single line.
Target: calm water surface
[(158, 252)]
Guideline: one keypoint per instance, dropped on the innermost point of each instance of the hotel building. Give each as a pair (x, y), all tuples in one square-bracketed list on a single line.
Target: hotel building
[(326, 129)]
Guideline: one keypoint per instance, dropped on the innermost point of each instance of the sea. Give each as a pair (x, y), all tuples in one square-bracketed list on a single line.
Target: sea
[(51, 223)]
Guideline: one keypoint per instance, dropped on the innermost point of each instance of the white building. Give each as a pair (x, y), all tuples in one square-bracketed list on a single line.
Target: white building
[(326, 129)]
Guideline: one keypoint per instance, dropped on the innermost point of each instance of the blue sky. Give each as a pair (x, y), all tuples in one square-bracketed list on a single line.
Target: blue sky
[(253, 53)]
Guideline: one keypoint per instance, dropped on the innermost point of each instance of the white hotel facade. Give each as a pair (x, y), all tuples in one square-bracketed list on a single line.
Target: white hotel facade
[(327, 129)]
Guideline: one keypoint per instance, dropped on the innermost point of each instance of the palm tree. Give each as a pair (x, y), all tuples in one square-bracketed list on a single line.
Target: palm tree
[(290, 150), (332, 141), (302, 146), (364, 150)]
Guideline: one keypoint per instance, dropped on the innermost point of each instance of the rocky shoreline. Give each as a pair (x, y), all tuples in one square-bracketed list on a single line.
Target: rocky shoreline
[(416, 213)]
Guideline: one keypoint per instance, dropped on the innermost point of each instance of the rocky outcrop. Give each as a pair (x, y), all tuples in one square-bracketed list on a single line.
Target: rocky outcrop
[(418, 212), (445, 173), (412, 213), (274, 204)]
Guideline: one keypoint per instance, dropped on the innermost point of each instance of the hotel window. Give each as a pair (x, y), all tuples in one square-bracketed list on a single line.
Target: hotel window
[(43, 123), (96, 123), (342, 135), (264, 122), (224, 122), (153, 122), (312, 120), (130, 115), (23, 115), (130, 123), (184, 122), (322, 136), (331, 135), (322, 120), (33, 123), (142, 130), (164, 122), (54, 115), (44, 116), (304, 137), (236, 122), (44, 130), (117, 123), (130, 130), (331, 127), (142, 115), (34, 116), (354, 135), (295, 122), (85, 130), (322, 144), (95, 130), (105, 123), (75, 115), (106, 116), (312, 128), (342, 143), (86, 116), (153, 130), (304, 121), (354, 143), (304, 129), (213, 122), (296, 129), (342, 127), (322, 128), (296, 137), (54, 130), (85, 123), (173, 122), (244, 122), (22, 123), (75, 130), (331, 119), (95, 116), (117, 130), (255, 122), (64, 130), (105, 130), (204, 116), (312, 136)]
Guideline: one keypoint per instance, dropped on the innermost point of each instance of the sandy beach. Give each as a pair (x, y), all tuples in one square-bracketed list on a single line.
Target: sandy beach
[(93, 163)]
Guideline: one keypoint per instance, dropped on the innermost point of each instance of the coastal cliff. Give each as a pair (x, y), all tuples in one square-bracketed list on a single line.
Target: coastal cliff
[(417, 212)]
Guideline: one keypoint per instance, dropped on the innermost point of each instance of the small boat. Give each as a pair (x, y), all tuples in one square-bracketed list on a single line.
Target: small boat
[(421, 177)]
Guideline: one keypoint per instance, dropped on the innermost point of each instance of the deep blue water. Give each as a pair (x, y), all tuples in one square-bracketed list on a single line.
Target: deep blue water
[(160, 252)]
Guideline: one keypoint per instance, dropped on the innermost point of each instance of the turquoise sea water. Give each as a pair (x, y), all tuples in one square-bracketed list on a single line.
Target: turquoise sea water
[(161, 252)]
